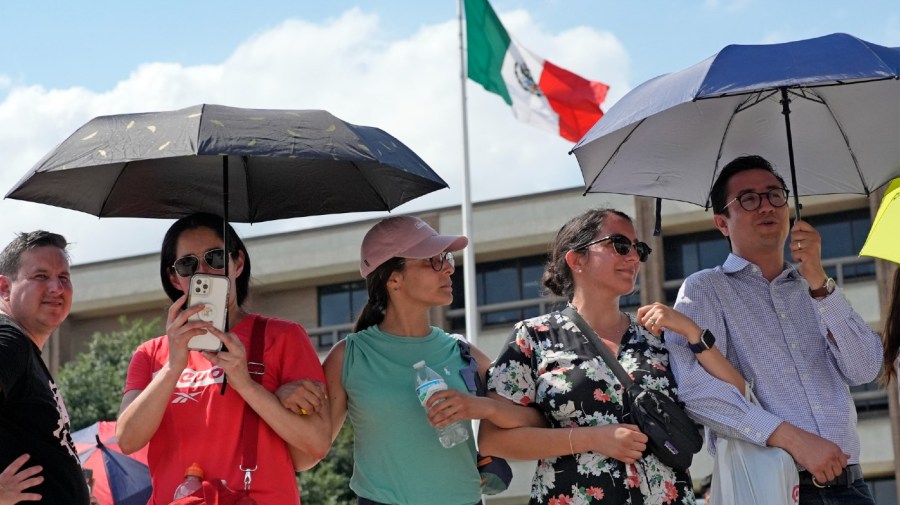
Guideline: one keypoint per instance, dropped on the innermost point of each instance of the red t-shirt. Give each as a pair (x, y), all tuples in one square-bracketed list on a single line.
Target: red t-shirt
[(202, 426)]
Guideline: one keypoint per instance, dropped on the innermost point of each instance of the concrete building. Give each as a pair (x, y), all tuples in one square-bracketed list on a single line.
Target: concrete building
[(312, 277)]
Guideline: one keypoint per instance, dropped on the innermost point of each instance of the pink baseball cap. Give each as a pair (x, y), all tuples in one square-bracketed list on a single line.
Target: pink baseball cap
[(404, 237)]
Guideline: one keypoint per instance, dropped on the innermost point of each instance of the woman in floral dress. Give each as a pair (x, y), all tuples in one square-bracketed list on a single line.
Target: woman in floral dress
[(588, 452)]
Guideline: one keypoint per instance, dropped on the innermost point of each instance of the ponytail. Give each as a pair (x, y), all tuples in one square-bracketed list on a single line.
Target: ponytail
[(376, 283)]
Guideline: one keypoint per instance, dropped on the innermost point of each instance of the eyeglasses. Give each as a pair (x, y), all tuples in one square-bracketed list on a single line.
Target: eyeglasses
[(437, 261), (186, 265), (751, 200), (622, 245)]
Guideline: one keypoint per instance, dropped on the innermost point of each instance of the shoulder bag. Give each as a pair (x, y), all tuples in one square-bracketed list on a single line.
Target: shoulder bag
[(673, 436), (495, 472)]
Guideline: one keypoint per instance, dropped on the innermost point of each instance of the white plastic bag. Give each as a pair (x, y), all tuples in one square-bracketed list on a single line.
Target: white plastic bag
[(747, 474)]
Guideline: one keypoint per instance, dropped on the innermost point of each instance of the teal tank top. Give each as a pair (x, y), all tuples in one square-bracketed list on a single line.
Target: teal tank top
[(397, 458)]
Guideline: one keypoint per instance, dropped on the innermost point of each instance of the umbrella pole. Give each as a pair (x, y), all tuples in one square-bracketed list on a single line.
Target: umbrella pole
[(225, 210), (225, 246), (786, 110)]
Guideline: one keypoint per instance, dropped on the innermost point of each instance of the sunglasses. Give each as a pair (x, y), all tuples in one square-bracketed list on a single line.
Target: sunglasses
[(622, 245), (186, 265)]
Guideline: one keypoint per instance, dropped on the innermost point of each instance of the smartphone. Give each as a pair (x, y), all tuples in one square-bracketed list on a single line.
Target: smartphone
[(212, 292)]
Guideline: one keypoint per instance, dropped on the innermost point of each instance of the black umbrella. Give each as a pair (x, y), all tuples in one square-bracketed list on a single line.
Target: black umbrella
[(249, 165)]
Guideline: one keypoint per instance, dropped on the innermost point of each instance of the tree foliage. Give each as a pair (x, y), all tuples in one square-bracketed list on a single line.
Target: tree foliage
[(328, 483), (92, 383)]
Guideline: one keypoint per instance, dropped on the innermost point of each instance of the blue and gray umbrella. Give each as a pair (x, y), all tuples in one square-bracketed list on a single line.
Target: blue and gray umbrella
[(825, 110)]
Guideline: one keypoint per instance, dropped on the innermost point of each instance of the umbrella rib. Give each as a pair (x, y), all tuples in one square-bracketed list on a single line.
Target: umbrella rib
[(750, 102), (807, 94), (611, 156), (840, 128), (112, 189), (387, 205), (739, 108), (251, 207)]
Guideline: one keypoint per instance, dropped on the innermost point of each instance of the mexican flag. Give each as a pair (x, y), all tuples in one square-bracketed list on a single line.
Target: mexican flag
[(539, 92)]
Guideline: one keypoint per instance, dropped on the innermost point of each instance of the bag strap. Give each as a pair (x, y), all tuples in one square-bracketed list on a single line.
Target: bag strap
[(599, 348), (250, 425), (469, 373)]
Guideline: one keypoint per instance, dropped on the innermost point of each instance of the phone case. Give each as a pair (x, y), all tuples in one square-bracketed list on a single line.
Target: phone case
[(211, 291)]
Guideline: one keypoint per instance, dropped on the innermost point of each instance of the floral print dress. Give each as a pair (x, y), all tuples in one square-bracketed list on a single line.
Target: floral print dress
[(549, 365)]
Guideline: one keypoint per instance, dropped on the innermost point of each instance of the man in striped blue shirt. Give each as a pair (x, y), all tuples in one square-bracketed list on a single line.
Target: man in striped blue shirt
[(787, 329)]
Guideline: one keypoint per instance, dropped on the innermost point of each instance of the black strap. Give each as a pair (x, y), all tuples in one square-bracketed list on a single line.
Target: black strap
[(602, 350), (637, 497)]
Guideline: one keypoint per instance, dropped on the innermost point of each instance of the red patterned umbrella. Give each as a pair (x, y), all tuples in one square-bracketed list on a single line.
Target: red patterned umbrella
[(118, 479)]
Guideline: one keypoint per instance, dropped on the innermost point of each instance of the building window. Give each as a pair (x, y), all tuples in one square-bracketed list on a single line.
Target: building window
[(339, 305), (501, 283), (843, 236)]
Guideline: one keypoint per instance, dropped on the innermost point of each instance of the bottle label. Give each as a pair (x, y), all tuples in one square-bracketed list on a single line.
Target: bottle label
[(426, 389)]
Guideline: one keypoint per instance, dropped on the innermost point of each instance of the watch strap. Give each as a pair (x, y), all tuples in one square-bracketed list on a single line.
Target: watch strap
[(826, 289), (707, 340)]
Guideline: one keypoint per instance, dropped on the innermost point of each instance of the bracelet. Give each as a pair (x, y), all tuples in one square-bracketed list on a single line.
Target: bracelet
[(571, 449)]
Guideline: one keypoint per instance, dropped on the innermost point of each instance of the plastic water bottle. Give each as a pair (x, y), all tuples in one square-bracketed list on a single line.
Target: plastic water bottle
[(193, 480), (429, 382)]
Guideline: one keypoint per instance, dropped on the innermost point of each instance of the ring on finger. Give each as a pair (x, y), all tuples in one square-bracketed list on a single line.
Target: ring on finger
[(651, 322)]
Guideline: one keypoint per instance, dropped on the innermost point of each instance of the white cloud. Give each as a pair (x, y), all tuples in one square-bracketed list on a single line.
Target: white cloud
[(408, 87)]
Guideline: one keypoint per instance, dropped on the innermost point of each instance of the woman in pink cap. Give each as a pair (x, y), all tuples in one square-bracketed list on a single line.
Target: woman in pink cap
[(397, 456)]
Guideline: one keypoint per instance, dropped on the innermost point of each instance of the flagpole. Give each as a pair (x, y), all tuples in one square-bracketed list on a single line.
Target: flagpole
[(471, 300)]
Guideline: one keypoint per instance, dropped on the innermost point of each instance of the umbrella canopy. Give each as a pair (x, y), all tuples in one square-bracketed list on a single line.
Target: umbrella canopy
[(279, 164), (118, 479), (884, 240), (832, 103)]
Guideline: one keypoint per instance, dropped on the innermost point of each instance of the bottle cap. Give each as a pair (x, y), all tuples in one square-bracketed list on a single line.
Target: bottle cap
[(419, 365), (194, 471)]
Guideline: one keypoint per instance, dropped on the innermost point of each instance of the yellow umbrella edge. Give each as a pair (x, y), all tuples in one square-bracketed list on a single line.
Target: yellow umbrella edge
[(883, 243)]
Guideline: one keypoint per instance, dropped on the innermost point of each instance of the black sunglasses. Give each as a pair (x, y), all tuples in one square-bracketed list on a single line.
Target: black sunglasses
[(622, 245), (186, 265)]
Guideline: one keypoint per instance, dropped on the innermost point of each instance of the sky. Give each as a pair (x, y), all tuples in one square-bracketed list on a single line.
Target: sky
[(393, 64)]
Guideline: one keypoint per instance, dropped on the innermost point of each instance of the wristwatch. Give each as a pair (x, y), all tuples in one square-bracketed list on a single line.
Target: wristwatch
[(707, 340), (825, 290)]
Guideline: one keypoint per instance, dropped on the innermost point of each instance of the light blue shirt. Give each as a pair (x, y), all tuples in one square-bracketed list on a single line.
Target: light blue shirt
[(800, 355)]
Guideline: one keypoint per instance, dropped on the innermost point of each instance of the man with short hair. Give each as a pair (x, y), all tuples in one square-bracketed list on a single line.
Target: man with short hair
[(35, 298), (787, 329)]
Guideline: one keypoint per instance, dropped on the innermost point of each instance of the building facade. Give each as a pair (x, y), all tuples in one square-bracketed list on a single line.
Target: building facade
[(312, 277)]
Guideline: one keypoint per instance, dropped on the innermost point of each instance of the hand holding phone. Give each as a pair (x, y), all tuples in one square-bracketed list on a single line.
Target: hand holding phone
[(212, 292)]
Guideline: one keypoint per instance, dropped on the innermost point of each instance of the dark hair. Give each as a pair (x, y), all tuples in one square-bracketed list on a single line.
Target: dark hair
[(890, 337), (376, 284), (579, 230), (214, 223), (11, 257), (740, 164)]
